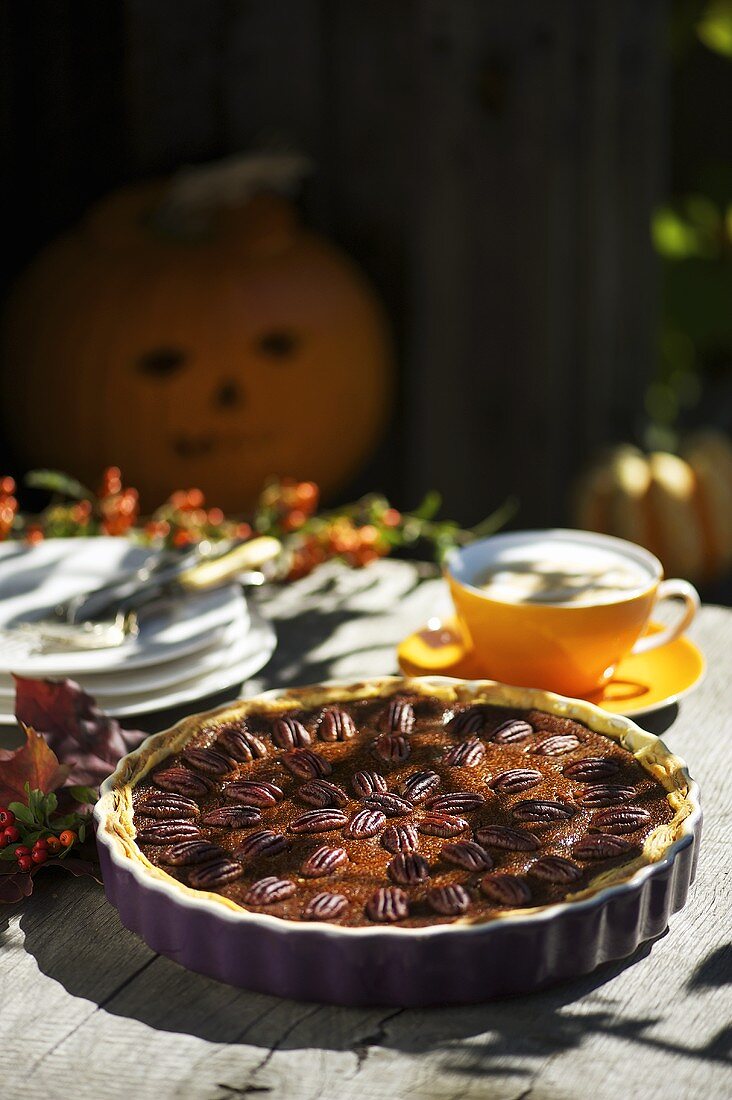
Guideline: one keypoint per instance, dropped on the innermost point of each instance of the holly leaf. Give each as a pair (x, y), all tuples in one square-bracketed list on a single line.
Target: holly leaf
[(34, 764), (81, 735)]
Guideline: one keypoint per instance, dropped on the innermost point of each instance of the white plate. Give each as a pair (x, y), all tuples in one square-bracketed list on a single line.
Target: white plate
[(36, 578), (257, 649), (123, 683), (233, 669)]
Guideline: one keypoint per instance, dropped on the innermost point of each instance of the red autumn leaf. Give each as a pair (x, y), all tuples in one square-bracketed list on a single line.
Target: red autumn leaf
[(77, 730), (34, 763), (15, 886), (77, 867)]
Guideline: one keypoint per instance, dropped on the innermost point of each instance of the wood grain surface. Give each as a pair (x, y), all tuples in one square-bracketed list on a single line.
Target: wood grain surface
[(89, 1011)]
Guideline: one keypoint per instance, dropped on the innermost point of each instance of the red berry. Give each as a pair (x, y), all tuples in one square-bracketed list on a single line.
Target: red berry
[(25, 863), (54, 845), (39, 855), (293, 520), (7, 817), (111, 481), (11, 834), (34, 534), (41, 843), (306, 493), (22, 850), (67, 838)]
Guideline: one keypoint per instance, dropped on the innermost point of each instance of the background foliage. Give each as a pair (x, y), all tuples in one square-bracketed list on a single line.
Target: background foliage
[(692, 230)]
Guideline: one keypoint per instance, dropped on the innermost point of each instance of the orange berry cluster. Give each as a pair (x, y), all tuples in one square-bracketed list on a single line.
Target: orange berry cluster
[(288, 504), (8, 506), (119, 507), (341, 538), (185, 520), (358, 537)]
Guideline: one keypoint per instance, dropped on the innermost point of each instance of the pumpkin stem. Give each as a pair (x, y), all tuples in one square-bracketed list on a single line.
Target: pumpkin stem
[(196, 192)]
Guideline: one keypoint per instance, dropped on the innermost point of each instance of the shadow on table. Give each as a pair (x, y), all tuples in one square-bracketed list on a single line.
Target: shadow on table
[(509, 1037), (658, 721), (302, 639)]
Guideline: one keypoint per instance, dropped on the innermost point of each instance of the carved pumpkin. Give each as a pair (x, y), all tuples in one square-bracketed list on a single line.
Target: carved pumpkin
[(680, 508), (218, 357)]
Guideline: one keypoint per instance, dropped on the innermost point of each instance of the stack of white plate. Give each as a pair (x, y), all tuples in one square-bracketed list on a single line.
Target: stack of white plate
[(194, 647)]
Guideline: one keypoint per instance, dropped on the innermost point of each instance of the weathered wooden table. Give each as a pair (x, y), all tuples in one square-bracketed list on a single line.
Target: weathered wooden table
[(89, 1011)]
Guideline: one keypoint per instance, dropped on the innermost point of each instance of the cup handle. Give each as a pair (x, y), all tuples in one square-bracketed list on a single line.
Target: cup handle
[(671, 589)]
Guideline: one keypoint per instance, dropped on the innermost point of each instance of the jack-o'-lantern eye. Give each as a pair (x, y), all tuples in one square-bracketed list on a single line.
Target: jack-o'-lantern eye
[(161, 362), (278, 344)]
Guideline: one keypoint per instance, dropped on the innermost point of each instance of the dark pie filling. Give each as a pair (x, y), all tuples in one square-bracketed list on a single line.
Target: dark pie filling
[(401, 811)]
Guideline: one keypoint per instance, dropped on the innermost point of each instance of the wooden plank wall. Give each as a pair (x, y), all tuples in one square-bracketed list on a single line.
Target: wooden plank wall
[(492, 165), (540, 154)]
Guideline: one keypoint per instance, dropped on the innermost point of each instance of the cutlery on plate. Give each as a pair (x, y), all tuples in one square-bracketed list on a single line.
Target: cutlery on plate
[(109, 615)]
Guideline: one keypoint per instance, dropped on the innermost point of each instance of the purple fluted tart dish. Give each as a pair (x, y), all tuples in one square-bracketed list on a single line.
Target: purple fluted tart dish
[(399, 841)]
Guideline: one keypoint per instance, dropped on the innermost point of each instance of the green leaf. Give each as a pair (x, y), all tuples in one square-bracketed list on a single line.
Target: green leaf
[(429, 507), (391, 536), (84, 795), (443, 546), (9, 852), (673, 237), (412, 530), (51, 804), (54, 481), (82, 832), (22, 813), (497, 519), (715, 27), (36, 804)]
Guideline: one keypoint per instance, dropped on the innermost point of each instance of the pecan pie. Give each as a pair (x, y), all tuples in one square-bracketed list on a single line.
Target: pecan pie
[(397, 803)]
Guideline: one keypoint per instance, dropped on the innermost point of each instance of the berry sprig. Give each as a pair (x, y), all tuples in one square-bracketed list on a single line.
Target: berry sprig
[(368, 529), (33, 832), (358, 533), (75, 510), (184, 519), (118, 506)]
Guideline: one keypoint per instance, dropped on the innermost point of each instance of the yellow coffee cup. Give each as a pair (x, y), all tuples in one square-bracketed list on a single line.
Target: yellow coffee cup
[(558, 609)]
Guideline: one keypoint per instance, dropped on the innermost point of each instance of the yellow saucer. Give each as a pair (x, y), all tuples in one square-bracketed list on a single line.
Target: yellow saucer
[(640, 684)]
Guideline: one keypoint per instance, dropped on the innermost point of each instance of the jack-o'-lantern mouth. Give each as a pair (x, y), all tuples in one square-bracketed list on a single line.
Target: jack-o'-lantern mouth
[(199, 446)]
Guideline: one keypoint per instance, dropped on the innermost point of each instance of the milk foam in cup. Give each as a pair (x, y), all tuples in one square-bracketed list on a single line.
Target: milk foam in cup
[(565, 572)]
